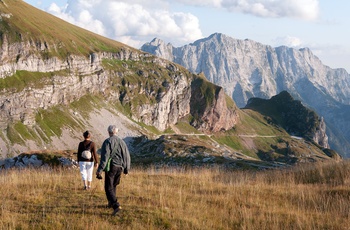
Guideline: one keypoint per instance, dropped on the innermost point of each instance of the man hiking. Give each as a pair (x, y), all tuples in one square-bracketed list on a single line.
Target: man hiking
[(115, 160)]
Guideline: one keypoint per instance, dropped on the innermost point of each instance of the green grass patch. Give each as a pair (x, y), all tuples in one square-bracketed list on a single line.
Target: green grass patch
[(22, 79), (264, 143), (18, 133), (186, 128), (87, 104), (26, 132), (13, 135), (51, 121), (207, 89), (233, 141), (150, 128), (229, 102), (253, 122)]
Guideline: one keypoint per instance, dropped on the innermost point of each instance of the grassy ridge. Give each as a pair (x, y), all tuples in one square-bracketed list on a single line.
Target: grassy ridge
[(28, 23), (314, 197)]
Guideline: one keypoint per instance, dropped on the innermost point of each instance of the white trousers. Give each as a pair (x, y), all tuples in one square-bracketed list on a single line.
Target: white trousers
[(86, 170)]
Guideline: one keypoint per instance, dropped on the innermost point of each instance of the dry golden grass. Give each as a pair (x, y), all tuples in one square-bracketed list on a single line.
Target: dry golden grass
[(314, 197)]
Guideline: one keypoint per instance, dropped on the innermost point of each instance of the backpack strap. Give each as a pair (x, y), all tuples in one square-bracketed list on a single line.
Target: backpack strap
[(88, 146)]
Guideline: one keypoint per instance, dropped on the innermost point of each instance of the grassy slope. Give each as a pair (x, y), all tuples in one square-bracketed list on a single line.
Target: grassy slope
[(31, 24), (304, 198)]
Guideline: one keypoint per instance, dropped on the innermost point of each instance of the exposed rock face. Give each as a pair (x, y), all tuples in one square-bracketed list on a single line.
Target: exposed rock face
[(246, 69), (215, 115), (172, 104), (87, 75), (61, 90), (320, 136), (33, 161)]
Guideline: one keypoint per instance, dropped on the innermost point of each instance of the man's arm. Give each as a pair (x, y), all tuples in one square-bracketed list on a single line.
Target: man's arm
[(126, 157)]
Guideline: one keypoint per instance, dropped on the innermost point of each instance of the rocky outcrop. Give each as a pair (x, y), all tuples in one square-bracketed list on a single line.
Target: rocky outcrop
[(211, 107), (320, 137), (173, 103), (37, 57), (34, 161)]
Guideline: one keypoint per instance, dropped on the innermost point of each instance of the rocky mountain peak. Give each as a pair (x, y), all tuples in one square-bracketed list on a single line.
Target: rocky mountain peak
[(159, 47), (246, 69)]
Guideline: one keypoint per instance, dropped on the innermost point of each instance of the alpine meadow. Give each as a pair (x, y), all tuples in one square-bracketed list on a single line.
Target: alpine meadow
[(198, 161)]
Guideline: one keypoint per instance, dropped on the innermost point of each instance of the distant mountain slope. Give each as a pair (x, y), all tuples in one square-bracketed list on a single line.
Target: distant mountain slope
[(246, 69), (290, 114), (57, 80)]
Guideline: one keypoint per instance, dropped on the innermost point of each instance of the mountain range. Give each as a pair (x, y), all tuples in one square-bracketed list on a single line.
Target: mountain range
[(58, 80), (246, 69)]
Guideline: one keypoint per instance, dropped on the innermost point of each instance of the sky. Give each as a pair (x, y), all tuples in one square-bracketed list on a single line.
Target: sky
[(321, 25)]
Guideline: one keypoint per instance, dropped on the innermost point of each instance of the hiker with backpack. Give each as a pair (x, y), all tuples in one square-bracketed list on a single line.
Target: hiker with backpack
[(87, 159)]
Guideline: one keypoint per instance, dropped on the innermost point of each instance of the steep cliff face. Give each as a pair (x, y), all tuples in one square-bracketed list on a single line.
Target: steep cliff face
[(160, 95), (209, 103), (58, 81), (246, 69)]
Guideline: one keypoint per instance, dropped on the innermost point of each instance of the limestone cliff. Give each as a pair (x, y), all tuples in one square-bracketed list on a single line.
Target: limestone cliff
[(158, 92)]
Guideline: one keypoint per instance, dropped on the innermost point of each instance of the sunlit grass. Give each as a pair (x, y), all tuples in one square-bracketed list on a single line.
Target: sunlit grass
[(313, 197)]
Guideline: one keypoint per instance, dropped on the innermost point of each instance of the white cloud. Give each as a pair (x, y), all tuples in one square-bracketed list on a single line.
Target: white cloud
[(133, 24), (302, 9), (288, 41), (209, 3)]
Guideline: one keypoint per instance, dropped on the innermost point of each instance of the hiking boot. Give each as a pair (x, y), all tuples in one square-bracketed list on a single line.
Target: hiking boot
[(115, 211)]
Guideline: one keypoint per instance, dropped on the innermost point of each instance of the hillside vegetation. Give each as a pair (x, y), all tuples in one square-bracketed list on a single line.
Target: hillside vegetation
[(58, 80), (310, 197), (28, 23), (288, 113)]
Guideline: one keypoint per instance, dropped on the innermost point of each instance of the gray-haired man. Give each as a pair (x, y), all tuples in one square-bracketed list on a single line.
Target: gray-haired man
[(116, 149)]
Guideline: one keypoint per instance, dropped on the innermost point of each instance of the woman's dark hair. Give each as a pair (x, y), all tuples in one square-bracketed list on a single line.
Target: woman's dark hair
[(86, 134)]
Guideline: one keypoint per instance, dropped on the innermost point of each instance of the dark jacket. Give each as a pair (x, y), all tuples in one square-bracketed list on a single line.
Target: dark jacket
[(85, 145), (115, 147)]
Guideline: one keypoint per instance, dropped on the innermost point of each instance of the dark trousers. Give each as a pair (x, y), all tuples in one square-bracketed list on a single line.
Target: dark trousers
[(112, 179)]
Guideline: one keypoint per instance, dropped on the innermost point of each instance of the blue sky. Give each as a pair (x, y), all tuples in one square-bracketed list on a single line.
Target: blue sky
[(321, 25)]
